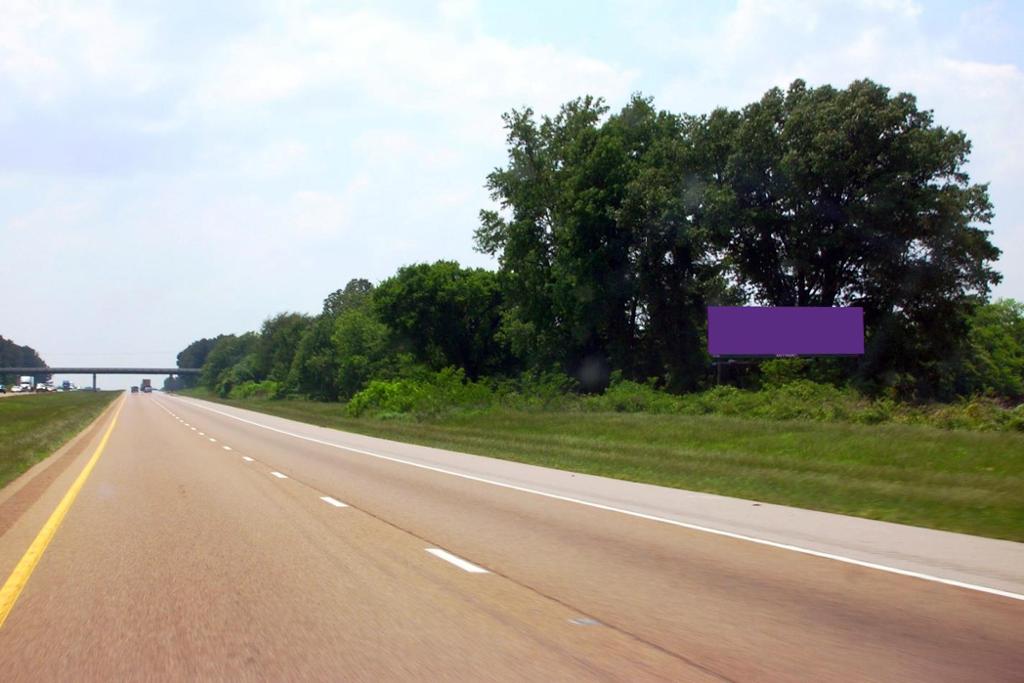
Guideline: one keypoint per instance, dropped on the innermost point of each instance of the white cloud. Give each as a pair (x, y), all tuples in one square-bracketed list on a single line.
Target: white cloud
[(258, 160), (380, 60), (50, 49), (321, 214)]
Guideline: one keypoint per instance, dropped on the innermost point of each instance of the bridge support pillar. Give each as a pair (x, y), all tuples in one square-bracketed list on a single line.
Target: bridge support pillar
[(94, 381)]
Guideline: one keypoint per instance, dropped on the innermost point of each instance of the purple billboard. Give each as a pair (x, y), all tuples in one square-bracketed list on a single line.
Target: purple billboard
[(785, 331)]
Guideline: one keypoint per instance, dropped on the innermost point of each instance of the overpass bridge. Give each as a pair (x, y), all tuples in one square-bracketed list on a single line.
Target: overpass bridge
[(99, 371)]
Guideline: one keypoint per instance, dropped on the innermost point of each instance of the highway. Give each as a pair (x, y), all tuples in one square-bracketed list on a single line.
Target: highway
[(213, 543)]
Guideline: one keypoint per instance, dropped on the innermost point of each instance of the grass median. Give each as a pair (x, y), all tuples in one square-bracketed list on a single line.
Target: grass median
[(33, 427), (966, 481)]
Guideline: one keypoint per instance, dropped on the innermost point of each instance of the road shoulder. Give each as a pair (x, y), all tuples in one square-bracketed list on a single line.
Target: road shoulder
[(28, 501)]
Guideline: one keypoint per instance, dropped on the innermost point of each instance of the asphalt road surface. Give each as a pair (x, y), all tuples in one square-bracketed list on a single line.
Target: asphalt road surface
[(204, 546)]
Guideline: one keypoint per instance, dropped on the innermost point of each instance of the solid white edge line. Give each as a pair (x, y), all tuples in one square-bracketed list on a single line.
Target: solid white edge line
[(333, 501), (279, 475), (641, 515), (457, 561)]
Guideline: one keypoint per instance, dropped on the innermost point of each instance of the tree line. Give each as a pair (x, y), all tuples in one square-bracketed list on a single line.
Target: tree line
[(15, 356), (614, 231)]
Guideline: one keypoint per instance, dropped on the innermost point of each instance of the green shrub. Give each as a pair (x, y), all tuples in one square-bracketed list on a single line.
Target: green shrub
[(779, 371), (804, 399), (721, 400), (265, 389), (978, 413), (876, 412), (541, 390), (1015, 419), (420, 393), (624, 396), (440, 392), (391, 396)]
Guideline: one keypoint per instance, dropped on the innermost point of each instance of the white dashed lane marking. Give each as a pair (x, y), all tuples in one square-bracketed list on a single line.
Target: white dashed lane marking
[(457, 561), (333, 501), (246, 458), (279, 475), (227, 448)]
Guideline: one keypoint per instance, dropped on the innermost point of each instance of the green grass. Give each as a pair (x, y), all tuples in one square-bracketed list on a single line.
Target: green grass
[(966, 481), (33, 427)]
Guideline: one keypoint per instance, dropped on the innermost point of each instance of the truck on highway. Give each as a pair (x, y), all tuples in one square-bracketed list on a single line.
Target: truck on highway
[(25, 383), (146, 386)]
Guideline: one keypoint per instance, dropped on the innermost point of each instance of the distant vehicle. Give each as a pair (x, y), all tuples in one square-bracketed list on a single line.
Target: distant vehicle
[(26, 382), (2, 389), (146, 386), (41, 389), (135, 390), (66, 385)]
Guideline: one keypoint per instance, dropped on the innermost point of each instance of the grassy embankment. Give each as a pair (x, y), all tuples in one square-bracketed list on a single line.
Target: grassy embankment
[(966, 481), (33, 427)]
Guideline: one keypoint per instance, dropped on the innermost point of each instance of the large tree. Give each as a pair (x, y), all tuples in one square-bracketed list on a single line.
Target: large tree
[(192, 356), (994, 362), (354, 294), (14, 356), (600, 241), (446, 315), (278, 341), (315, 369), (856, 197), (362, 350), (230, 362)]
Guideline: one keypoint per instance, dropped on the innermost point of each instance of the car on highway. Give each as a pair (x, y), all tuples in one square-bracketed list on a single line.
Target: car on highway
[(135, 390), (3, 390)]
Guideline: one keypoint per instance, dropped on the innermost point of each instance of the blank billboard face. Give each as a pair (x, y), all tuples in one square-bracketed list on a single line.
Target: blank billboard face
[(785, 331)]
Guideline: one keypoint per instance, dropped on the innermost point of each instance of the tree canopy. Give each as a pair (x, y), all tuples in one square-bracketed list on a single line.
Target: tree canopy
[(446, 315), (613, 231), (15, 356)]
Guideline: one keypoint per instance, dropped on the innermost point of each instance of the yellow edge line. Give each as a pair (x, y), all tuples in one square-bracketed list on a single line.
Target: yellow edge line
[(21, 574)]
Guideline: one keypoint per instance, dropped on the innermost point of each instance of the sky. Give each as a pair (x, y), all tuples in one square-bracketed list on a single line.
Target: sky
[(178, 170)]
